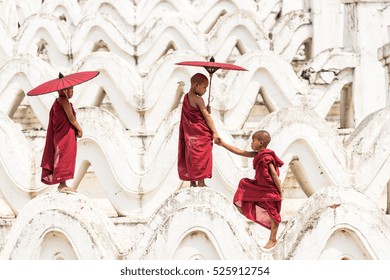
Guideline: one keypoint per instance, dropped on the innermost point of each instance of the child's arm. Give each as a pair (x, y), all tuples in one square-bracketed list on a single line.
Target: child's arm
[(71, 117), (237, 151), (209, 121), (276, 179)]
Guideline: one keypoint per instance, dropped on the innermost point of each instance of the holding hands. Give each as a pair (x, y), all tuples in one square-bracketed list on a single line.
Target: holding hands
[(217, 138)]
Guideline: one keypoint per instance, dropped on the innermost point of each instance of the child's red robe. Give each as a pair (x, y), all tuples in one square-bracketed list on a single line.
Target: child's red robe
[(195, 145), (59, 155), (259, 198)]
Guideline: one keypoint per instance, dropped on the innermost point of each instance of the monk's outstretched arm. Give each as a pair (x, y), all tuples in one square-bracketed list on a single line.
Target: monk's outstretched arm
[(237, 151)]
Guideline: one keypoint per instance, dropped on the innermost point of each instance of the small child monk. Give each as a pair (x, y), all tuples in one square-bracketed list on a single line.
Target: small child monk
[(196, 134), (259, 199), (59, 155)]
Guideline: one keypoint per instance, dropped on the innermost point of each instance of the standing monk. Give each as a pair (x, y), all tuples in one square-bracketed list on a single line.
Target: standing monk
[(197, 131), (59, 155)]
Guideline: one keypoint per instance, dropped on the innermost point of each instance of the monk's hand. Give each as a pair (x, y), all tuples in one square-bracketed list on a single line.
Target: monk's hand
[(281, 194), (217, 139), (219, 142), (79, 133)]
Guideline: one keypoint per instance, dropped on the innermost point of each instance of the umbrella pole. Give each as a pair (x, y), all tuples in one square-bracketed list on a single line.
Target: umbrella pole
[(208, 103)]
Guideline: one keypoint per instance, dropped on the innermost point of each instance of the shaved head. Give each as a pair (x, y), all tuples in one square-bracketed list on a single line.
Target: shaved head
[(264, 136), (198, 78)]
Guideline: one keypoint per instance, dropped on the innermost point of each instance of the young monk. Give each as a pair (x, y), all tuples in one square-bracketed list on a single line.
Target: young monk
[(196, 134), (59, 155), (260, 199)]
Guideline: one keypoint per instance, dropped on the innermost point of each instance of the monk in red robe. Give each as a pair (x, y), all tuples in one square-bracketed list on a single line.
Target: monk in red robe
[(196, 134), (59, 155), (259, 199)]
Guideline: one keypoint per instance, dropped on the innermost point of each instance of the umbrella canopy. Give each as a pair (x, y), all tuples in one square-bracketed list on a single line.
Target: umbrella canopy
[(211, 67), (63, 82)]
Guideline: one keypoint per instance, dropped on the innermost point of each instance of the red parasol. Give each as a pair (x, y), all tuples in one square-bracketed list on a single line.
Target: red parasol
[(63, 82), (212, 66)]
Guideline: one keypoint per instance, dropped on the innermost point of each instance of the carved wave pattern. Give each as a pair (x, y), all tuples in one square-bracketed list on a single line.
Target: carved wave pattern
[(130, 116)]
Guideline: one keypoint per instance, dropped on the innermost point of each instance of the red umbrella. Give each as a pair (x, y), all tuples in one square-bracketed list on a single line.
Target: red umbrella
[(212, 66), (63, 82)]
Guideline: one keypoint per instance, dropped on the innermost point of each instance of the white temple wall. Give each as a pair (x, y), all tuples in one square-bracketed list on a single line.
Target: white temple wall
[(317, 80), (361, 18)]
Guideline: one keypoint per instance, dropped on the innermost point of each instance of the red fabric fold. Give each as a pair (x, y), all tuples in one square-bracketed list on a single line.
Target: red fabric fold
[(195, 145), (59, 155), (259, 198)]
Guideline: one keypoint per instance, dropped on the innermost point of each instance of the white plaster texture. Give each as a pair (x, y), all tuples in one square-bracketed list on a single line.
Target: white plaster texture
[(304, 59)]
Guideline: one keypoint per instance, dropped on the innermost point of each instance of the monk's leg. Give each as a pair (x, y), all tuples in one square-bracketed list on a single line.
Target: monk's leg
[(272, 238), (201, 183), (62, 187), (238, 208), (192, 184)]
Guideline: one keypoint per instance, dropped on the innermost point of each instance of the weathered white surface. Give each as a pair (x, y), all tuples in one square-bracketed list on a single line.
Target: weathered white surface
[(190, 213), (336, 153), (384, 57), (90, 234), (332, 212), (361, 19)]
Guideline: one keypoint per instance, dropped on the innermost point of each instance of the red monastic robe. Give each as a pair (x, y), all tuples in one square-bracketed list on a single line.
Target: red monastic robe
[(195, 145), (259, 198), (59, 155)]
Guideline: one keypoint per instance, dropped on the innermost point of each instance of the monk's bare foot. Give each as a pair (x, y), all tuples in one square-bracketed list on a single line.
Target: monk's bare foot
[(202, 184), (66, 189), (270, 244)]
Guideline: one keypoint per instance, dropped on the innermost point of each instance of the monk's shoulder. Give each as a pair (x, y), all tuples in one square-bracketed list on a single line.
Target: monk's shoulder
[(199, 101), (194, 100), (62, 100)]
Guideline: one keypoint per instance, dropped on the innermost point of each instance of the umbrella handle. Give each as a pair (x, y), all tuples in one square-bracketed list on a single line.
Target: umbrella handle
[(208, 102)]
